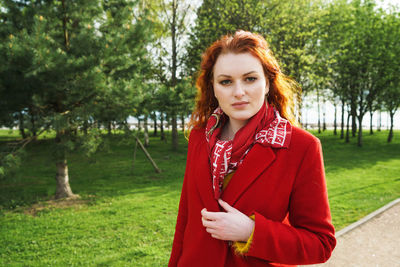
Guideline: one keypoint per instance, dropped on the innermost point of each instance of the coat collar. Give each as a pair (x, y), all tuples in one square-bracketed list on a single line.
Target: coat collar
[(255, 162), (244, 176)]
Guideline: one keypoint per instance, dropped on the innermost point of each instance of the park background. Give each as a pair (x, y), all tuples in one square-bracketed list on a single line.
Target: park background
[(84, 83)]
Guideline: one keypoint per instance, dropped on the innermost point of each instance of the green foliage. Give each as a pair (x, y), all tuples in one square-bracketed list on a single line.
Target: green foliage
[(9, 164), (390, 80), (217, 18), (72, 65), (91, 141), (358, 41), (289, 26), (125, 62)]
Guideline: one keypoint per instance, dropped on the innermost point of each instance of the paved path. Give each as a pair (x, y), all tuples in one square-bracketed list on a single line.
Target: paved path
[(372, 241)]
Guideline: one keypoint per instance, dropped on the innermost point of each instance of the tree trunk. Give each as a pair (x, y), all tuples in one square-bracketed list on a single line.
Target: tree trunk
[(174, 132), (155, 124), (342, 125), (360, 141), (390, 136), (353, 122), (114, 127), (335, 121), (21, 125), (371, 114), (85, 127), (146, 132), (148, 155), (162, 134), (33, 128), (306, 119), (109, 128), (299, 104), (348, 128), (63, 189), (65, 20), (183, 122)]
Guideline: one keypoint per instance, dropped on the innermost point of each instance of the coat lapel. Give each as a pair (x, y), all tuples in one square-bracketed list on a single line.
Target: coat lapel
[(204, 180), (255, 162)]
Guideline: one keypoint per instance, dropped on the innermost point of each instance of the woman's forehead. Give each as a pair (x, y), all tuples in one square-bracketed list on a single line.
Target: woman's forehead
[(231, 64)]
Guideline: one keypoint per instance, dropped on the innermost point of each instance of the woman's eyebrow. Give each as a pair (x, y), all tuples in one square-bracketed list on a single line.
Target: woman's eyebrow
[(253, 71), (247, 73), (224, 75)]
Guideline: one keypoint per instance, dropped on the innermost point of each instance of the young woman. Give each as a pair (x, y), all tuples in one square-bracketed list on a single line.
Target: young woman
[(254, 191)]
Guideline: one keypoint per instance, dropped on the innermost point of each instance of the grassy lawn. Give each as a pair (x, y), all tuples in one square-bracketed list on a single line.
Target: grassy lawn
[(127, 217)]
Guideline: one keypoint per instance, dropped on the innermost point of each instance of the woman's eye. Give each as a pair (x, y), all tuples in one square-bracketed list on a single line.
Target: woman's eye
[(225, 82), (251, 79)]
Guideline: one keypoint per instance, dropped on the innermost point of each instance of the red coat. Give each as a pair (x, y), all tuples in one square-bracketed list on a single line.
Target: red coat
[(273, 184)]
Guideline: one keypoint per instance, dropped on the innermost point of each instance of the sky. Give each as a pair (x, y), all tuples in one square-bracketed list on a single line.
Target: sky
[(387, 3)]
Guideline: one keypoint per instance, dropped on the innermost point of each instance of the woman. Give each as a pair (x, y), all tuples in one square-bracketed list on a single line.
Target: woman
[(254, 191)]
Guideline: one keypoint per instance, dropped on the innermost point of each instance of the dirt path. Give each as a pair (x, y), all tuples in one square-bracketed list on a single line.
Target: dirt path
[(374, 242)]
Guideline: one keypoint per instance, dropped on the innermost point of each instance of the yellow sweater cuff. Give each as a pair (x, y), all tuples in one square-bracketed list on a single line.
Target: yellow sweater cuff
[(242, 248)]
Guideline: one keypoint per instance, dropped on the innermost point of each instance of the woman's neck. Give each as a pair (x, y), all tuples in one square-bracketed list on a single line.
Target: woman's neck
[(231, 128)]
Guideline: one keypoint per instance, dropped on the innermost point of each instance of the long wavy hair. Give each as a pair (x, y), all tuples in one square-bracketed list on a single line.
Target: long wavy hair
[(281, 87)]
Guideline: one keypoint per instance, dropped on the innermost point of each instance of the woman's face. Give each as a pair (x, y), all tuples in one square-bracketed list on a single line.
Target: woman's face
[(240, 86)]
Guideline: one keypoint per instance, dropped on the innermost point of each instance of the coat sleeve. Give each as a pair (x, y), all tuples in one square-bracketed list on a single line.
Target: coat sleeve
[(182, 214), (310, 236)]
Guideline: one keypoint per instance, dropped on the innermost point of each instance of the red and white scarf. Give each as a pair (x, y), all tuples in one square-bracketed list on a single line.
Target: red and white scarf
[(266, 127)]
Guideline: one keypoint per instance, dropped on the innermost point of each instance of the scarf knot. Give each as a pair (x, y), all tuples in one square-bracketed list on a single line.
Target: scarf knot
[(266, 127)]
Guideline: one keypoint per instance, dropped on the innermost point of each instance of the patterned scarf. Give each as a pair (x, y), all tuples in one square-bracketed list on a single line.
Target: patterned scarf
[(266, 127)]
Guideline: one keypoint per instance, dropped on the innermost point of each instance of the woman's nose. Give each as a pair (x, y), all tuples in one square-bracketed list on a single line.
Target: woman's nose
[(238, 90)]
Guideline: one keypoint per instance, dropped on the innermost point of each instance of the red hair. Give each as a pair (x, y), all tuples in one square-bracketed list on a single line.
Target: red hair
[(281, 87)]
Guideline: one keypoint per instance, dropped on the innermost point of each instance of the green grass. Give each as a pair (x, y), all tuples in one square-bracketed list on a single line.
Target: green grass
[(360, 179), (127, 217)]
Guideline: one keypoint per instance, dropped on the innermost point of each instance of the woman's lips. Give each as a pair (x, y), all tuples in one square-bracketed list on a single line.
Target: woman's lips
[(241, 104)]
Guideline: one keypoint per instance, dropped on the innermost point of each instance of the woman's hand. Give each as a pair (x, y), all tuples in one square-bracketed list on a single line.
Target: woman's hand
[(231, 225)]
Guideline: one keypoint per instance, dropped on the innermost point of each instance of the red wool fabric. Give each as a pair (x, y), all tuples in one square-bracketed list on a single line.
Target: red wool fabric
[(284, 188), (266, 127)]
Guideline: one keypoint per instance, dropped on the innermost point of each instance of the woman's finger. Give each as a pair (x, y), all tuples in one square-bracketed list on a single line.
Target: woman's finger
[(209, 215), (226, 206), (211, 231), (216, 236), (207, 223)]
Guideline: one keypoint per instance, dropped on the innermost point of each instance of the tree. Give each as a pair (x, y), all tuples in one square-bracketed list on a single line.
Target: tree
[(356, 44), (217, 18), (125, 62), (65, 68), (390, 81), (71, 71), (289, 27), (173, 16), (17, 90)]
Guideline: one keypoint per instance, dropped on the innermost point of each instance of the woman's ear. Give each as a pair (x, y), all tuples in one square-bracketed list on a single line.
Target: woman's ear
[(266, 87)]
